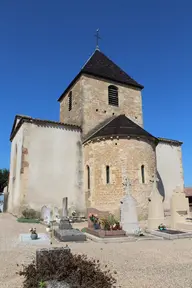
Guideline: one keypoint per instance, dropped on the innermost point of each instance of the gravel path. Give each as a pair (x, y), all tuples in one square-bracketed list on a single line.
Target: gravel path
[(150, 264)]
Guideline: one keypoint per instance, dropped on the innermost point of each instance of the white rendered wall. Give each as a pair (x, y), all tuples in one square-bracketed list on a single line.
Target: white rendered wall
[(170, 169), (15, 176), (55, 167)]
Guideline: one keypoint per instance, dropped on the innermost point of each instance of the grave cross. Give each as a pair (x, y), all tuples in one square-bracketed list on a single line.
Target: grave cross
[(127, 186), (154, 180)]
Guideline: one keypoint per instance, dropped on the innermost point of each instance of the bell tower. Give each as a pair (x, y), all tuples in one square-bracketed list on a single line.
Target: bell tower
[(100, 91)]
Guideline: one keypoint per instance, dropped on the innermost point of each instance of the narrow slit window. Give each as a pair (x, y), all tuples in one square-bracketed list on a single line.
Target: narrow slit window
[(113, 95), (88, 177), (143, 174), (70, 101), (107, 175)]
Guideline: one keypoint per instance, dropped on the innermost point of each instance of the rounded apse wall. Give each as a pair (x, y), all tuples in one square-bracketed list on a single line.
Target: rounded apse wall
[(108, 161)]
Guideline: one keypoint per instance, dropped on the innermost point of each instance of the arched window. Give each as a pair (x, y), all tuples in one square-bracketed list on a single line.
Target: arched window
[(107, 175), (143, 173), (88, 177), (113, 95), (70, 101)]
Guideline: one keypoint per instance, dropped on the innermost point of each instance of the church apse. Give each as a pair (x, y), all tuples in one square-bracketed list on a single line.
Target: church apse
[(107, 158)]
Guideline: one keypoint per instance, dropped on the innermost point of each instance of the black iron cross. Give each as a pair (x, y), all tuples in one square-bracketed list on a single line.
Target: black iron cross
[(97, 39)]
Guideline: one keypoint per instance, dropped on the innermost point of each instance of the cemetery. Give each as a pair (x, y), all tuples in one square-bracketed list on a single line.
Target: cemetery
[(53, 234)]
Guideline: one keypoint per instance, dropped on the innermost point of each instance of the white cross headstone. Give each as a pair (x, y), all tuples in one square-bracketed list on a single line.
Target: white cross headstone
[(127, 186), (46, 214), (129, 220)]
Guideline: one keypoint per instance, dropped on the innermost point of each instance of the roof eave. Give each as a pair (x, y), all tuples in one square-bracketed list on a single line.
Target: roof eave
[(139, 86), (170, 141), (136, 85), (14, 131), (152, 138), (69, 86)]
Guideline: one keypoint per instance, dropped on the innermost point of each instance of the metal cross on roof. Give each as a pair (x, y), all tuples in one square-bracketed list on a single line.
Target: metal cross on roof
[(97, 39)]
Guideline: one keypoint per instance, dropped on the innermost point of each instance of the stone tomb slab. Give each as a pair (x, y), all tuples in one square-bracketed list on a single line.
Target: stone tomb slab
[(57, 284), (42, 239), (71, 235), (171, 234)]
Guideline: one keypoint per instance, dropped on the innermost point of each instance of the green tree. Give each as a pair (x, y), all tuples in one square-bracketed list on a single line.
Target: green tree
[(4, 177)]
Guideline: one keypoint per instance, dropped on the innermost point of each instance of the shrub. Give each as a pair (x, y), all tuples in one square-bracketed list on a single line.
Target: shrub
[(31, 214), (76, 270)]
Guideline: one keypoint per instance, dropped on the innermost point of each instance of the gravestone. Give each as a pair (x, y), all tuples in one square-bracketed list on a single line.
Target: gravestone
[(129, 219), (56, 214), (179, 208), (65, 207), (46, 214), (156, 211), (65, 232), (46, 255)]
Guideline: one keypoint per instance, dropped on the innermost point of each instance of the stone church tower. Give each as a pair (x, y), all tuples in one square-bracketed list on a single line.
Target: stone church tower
[(107, 104)]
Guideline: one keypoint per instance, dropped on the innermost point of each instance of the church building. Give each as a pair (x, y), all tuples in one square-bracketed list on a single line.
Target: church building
[(86, 155)]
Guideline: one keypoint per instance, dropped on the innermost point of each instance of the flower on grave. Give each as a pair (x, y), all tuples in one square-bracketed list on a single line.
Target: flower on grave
[(94, 218), (74, 213), (33, 231), (139, 232), (162, 227)]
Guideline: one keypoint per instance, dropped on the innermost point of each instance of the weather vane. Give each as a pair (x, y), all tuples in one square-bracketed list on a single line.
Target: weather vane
[(97, 39)]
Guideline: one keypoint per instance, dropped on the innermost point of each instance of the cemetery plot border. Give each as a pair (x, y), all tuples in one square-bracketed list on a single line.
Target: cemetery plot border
[(106, 234), (171, 234)]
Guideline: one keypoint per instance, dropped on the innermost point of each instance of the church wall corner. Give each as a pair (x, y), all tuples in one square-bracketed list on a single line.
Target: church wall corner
[(75, 115)]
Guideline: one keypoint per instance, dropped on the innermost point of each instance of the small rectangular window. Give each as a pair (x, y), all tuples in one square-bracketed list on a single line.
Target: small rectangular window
[(113, 95), (107, 175), (88, 177), (143, 174), (70, 101)]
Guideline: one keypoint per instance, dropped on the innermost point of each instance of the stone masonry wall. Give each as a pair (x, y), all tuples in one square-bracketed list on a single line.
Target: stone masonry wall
[(124, 157), (90, 103), (95, 103), (75, 116)]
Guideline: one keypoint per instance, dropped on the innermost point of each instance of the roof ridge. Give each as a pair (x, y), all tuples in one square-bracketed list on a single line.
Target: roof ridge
[(88, 59), (100, 126), (101, 66), (122, 126)]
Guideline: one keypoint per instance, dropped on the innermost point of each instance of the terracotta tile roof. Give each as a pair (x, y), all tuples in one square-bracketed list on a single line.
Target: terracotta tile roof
[(188, 191), (101, 66), (119, 126)]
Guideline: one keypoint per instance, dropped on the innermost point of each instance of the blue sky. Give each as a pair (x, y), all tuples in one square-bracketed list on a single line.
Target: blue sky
[(45, 43)]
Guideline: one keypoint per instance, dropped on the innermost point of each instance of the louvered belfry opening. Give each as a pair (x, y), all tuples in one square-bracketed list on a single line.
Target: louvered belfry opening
[(70, 101), (113, 95)]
